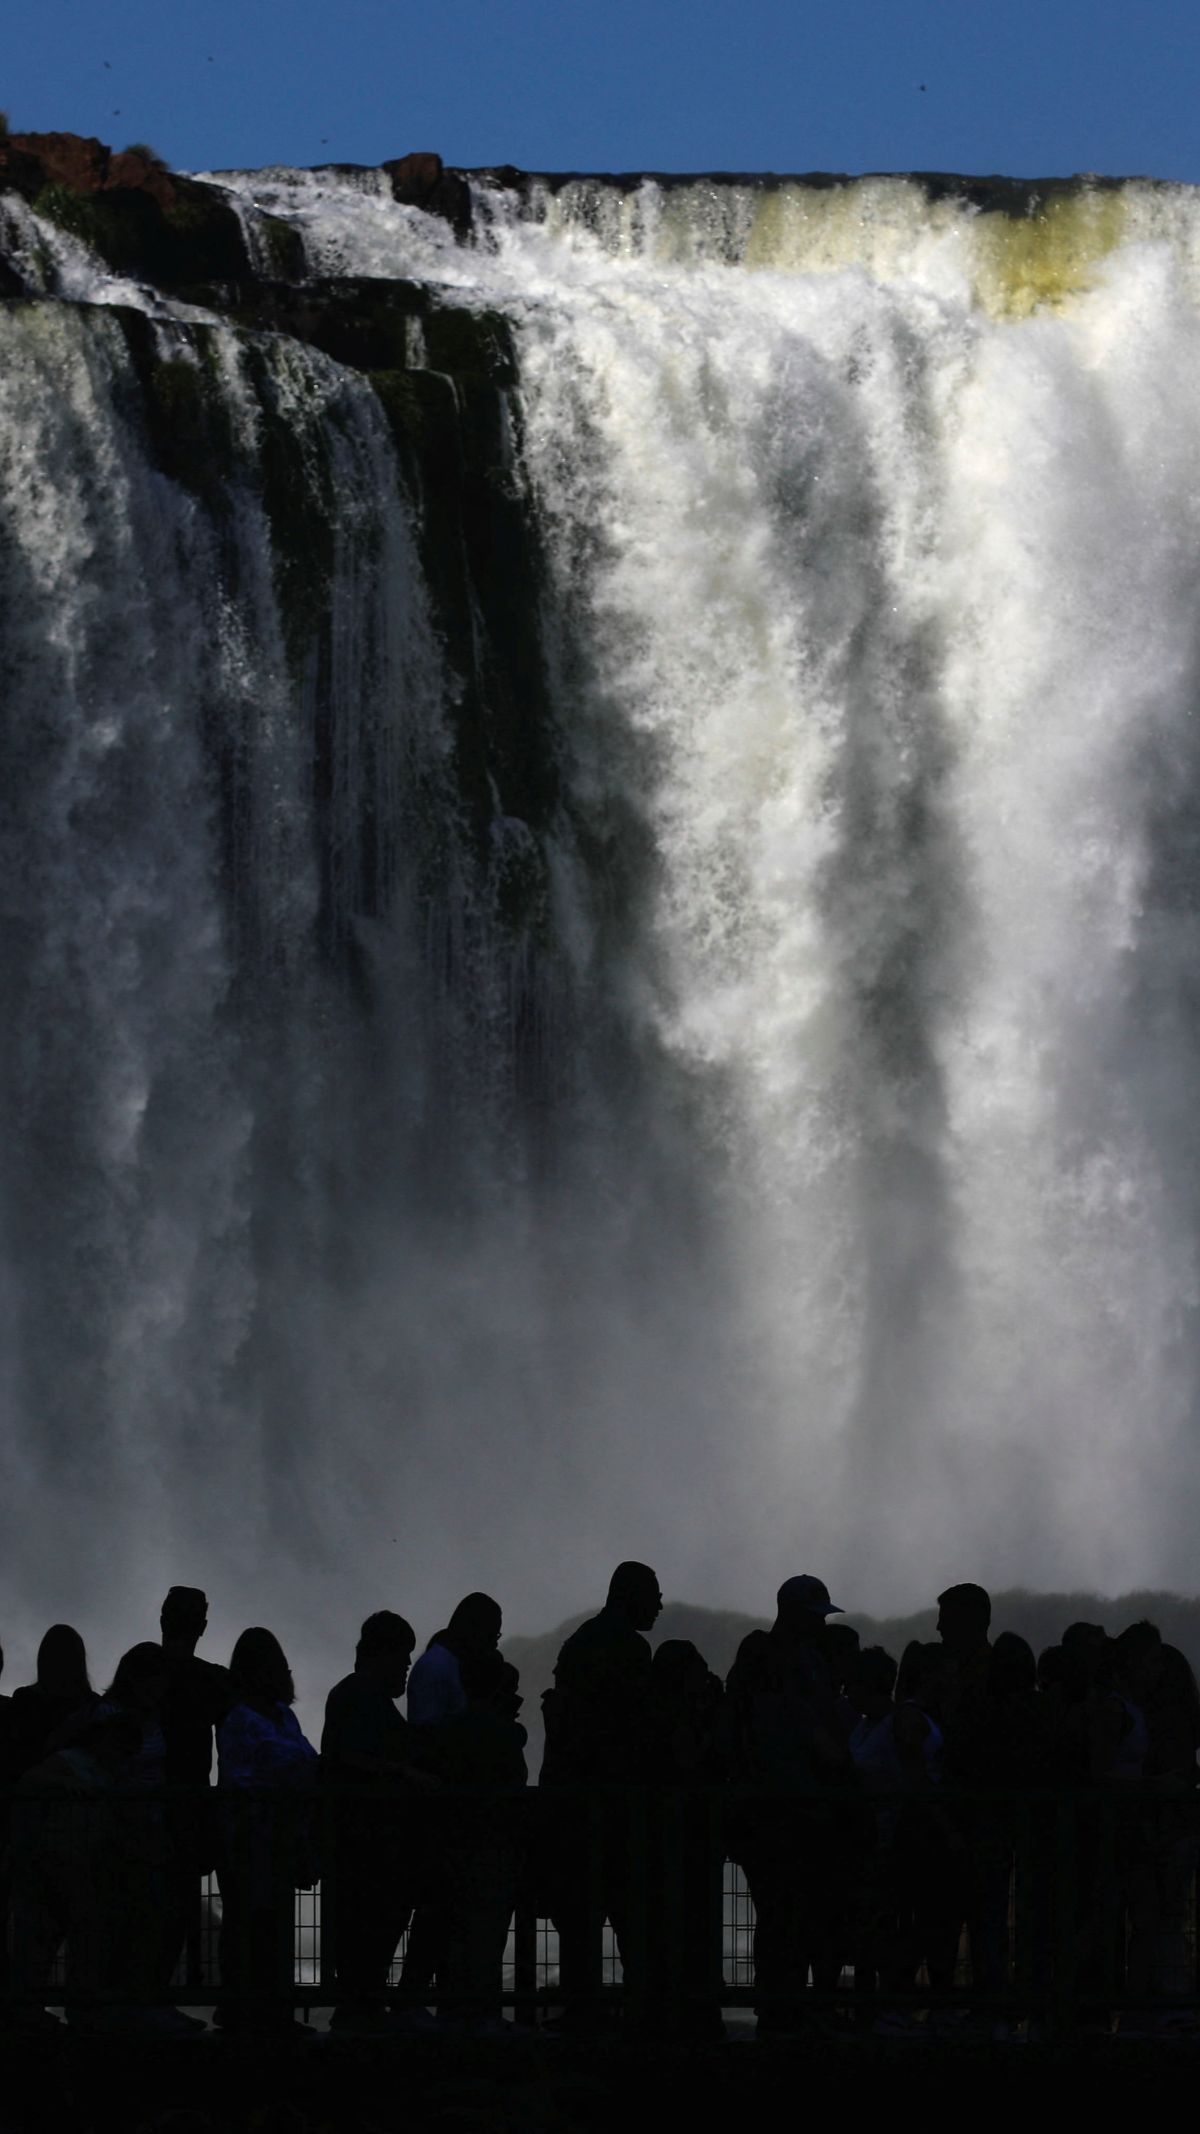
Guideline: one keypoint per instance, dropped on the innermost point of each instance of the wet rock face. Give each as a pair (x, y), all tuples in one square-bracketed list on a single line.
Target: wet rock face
[(142, 218), (444, 376)]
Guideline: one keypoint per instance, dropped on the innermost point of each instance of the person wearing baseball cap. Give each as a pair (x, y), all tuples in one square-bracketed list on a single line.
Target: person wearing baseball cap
[(785, 1833), (805, 1596)]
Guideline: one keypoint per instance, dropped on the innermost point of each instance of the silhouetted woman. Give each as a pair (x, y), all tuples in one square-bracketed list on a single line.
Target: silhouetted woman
[(459, 1665), (266, 1776), (61, 1689)]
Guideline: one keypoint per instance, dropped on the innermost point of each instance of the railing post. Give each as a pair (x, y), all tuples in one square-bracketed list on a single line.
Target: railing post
[(525, 1918), (325, 1898), (635, 1954), (592, 1951), (1065, 1924), (677, 1962)]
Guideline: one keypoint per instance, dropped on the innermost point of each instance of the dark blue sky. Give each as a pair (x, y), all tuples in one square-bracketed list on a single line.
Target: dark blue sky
[(1031, 87)]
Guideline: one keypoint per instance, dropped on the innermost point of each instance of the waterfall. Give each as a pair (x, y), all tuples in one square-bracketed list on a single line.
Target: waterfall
[(600, 909)]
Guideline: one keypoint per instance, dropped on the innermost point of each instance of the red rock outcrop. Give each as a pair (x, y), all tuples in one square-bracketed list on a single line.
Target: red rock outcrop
[(30, 161)]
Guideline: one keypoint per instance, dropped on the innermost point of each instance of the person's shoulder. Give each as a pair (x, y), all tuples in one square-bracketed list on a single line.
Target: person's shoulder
[(577, 1646), (585, 1633), (344, 1692), (203, 1681), (752, 1654), (435, 1660)]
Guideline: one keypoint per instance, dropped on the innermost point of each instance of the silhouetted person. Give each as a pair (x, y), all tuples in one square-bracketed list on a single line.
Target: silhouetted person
[(35, 1713), (196, 1700), (790, 1840), (61, 1689), (840, 1646), (689, 1763), (1022, 1757), (104, 1855), (598, 1741), (5, 1775), (1172, 1712), (969, 1719), (266, 1780), (931, 1870), (479, 1756), (460, 1663), (367, 1766), (597, 1714), (1121, 1753), (1026, 1734)]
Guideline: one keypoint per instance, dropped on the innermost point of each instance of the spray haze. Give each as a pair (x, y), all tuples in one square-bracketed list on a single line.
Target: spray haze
[(747, 1117)]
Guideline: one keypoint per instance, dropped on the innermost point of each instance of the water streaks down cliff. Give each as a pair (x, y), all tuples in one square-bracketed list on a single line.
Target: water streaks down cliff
[(599, 889)]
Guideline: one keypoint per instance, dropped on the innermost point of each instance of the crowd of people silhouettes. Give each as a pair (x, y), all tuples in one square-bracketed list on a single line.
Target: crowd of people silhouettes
[(897, 1821)]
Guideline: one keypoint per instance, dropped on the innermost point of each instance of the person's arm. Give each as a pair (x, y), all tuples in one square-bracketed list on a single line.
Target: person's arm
[(911, 1730)]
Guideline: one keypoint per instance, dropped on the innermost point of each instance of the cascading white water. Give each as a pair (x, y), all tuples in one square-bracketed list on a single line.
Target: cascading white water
[(859, 1229)]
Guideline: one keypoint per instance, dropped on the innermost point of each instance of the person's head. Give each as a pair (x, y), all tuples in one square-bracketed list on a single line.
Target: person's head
[(384, 1650), (923, 1675), (477, 1621), (1051, 1670), (964, 1619), (1137, 1659), (1086, 1658), (634, 1592), (679, 1669), (872, 1680), (1084, 1642), (840, 1643), (504, 1698), (259, 1674), (141, 1679), (62, 1664), (184, 1618), (802, 1605), (1012, 1669)]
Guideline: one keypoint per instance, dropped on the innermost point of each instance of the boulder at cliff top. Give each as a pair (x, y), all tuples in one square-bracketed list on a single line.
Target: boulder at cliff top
[(31, 161), (422, 180)]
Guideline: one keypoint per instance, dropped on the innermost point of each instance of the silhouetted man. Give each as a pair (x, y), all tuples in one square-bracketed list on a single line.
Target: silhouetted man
[(197, 1699), (783, 1716), (598, 1713), (367, 1767), (970, 1721), (599, 1743)]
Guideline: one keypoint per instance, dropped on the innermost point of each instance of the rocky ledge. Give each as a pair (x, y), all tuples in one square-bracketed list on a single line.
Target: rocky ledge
[(160, 226)]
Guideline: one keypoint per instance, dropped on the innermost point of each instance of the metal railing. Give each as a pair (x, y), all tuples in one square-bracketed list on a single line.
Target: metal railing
[(1092, 1900)]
